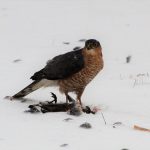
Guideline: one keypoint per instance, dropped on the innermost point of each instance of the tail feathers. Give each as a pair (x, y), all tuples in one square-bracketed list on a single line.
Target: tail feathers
[(29, 89)]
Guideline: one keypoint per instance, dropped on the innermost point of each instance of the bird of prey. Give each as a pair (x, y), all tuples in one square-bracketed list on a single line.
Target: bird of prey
[(71, 71)]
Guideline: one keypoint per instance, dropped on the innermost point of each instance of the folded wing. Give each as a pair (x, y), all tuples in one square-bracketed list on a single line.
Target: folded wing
[(62, 66)]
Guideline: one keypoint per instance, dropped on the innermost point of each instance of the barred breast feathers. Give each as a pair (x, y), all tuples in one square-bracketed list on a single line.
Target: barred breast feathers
[(93, 65)]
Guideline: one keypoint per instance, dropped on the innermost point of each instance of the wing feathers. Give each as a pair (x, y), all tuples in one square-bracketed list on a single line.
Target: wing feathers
[(61, 66)]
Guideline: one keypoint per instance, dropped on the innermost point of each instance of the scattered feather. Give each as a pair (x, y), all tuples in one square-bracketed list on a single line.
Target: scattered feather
[(66, 43), (64, 145), (82, 40), (117, 124), (67, 119), (128, 59), (16, 60), (86, 125)]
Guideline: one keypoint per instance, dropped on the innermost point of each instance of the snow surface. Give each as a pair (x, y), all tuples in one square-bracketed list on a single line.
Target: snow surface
[(33, 31)]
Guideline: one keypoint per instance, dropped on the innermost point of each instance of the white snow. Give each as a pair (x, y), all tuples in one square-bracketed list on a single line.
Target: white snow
[(33, 31)]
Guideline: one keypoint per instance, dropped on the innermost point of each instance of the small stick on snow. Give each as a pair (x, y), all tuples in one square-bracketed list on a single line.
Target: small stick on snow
[(103, 118), (141, 128)]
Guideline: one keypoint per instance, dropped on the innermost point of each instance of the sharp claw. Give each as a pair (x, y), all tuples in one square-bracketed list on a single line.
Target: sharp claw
[(54, 96)]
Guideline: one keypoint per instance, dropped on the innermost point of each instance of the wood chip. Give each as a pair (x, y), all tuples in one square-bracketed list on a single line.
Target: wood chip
[(141, 128)]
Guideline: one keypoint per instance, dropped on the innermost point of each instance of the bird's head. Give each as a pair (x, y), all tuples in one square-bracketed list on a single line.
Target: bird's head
[(92, 44)]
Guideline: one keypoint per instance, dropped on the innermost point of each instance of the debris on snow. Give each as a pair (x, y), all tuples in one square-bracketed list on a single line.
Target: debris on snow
[(141, 128), (67, 119), (16, 60), (141, 79), (128, 59), (64, 145), (117, 124), (86, 125), (103, 118), (66, 43), (82, 40)]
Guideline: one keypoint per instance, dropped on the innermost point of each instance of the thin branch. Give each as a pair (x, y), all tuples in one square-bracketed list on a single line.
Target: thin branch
[(103, 118)]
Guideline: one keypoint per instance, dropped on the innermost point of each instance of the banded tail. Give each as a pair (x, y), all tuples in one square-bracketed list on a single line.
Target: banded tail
[(29, 89)]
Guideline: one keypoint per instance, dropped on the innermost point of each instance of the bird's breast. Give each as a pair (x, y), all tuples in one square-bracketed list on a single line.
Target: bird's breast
[(92, 66)]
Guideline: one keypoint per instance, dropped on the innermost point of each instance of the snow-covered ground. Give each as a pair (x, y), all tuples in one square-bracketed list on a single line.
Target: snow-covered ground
[(34, 31)]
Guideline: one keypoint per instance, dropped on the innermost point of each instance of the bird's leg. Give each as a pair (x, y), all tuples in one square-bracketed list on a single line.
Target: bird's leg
[(79, 94), (67, 97)]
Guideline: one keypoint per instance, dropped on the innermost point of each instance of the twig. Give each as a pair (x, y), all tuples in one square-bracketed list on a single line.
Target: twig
[(103, 118), (141, 128)]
